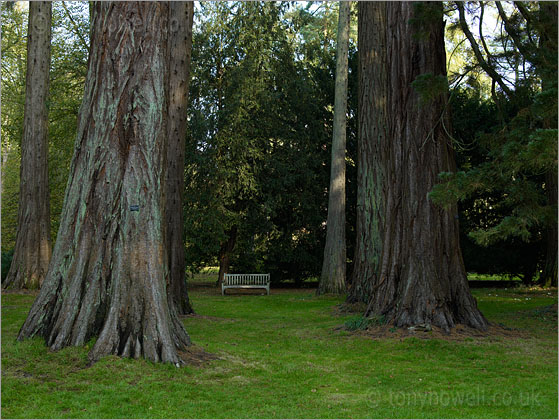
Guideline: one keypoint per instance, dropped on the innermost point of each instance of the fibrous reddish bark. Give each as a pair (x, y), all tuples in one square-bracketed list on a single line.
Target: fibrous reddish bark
[(333, 275), (420, 276), (372, 103), (33, 242), (180, 34), (108, 276)]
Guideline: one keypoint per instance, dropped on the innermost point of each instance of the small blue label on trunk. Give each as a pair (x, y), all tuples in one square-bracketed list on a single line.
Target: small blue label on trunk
[(135, 207)]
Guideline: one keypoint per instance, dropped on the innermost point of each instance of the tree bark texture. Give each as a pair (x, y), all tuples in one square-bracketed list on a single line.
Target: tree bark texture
[(180, 40), (225, 251), (421, 276), (373, 114), (33, 242), (109, 276), (333, 276)]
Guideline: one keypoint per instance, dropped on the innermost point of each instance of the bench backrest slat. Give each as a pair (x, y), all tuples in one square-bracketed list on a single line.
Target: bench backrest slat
[(246, 279)]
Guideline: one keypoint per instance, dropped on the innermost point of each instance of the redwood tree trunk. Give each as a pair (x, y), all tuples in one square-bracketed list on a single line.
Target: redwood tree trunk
[(421, 277), (108, 276), (333, 276), (372, 102), (225, 251), (33, 242), (180, 34)]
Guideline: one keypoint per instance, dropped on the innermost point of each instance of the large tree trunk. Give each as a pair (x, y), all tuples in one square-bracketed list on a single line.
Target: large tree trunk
[(33, 242), (372, 102), (108, 276), (333, 276), (421, 276), (181, 15), (225, 251)]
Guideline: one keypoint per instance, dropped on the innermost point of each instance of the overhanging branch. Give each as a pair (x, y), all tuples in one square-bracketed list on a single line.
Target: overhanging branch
[(513, 33), (76, 27), (477, 52)]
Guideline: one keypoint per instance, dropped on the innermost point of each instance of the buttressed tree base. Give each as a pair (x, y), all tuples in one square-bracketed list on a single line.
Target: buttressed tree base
[(108, 276), (419, 275)]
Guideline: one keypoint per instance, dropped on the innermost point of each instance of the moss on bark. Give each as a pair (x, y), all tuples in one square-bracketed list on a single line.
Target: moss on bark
[(109, 274)]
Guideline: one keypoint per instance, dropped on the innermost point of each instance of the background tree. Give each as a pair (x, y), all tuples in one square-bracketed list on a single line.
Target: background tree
[(224, 152), (515, 180), (475, 119), (108, 275), (70, 49), (261, 128), (261, 121), (33, 242), (547, 26), (14, 41), (66, 84), (333, 278), (181, 16), (421, 277)]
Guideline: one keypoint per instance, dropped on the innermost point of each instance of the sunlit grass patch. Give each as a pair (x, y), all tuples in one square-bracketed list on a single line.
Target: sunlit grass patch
[(285, 355)]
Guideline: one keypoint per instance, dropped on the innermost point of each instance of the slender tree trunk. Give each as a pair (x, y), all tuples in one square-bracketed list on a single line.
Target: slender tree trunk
[(372, 103), (225, 251), (33, 242), (421, 276), (180, 41), (108, 276), (333, 277)]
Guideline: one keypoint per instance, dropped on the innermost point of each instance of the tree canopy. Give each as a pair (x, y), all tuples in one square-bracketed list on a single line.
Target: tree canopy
[(260, 121)]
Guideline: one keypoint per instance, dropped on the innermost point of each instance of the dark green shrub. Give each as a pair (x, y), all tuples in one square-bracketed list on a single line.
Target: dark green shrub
[(7, 257)]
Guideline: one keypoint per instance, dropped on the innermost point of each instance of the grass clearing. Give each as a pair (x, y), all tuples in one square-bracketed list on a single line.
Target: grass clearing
[(283, 356), (493, 277)]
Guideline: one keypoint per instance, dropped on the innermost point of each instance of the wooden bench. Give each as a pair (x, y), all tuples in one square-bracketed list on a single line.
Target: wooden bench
[(246, 281)]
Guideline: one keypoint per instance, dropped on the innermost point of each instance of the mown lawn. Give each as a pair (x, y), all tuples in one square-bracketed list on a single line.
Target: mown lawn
[(282, 356)]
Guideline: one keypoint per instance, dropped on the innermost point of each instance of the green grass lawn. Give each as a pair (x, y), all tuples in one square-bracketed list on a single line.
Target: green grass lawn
[(282, 356), (207, 275)]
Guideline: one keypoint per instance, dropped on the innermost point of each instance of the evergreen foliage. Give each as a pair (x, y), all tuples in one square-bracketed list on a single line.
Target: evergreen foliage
[(260, 132), (511, 150), (260, 128)]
